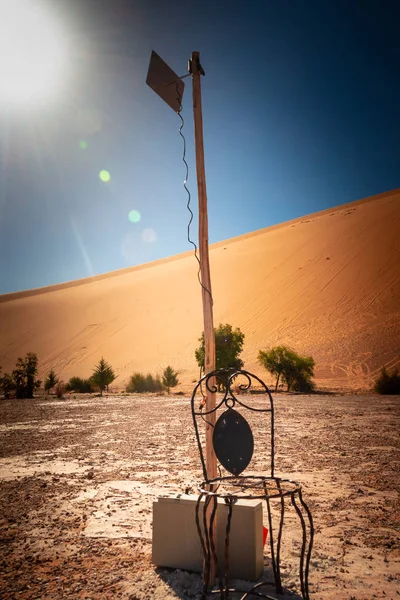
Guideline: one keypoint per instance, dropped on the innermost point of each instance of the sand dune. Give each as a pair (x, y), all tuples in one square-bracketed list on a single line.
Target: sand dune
[(327, 284)]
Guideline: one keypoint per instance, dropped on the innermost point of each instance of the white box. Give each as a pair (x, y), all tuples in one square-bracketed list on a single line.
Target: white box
[(176, 541)]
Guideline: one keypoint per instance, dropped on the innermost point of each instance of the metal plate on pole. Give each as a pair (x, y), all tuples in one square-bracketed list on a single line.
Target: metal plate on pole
[(165, 82)]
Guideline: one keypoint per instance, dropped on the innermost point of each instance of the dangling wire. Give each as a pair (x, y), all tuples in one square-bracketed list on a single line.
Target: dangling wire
[(179, 98)]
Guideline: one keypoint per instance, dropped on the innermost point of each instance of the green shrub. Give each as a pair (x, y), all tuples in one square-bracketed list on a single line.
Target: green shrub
[(24, 376), (103, 375), (228, 346), (60, 389), (295, 370), (51, 381), (82, 386), (22, 380), (170, 378), (144, 383), (7, 384), (388, 383), (303, 383), (136, 383)]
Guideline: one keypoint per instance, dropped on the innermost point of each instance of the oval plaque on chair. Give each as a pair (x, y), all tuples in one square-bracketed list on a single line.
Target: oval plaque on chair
[(233, 441)]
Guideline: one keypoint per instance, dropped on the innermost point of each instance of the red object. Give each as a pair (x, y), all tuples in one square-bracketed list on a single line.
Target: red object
[(265, 533)]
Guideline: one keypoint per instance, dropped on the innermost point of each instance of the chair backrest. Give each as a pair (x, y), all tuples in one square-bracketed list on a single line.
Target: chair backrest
[(242, 421)]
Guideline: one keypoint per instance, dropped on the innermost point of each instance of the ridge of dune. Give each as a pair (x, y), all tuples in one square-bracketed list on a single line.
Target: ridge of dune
[(74, 282), (327, 284)]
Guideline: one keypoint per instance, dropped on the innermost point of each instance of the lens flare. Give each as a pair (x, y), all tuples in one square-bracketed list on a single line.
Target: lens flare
[(83, 144), (134, 216), (149, 235), (129, 248), (105, 176)]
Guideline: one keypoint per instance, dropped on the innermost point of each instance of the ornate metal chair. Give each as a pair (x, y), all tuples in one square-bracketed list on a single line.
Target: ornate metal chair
[(236, 449)]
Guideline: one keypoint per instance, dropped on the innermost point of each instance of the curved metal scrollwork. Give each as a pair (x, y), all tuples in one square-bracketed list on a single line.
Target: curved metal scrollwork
[(223, 381), (233, 389)]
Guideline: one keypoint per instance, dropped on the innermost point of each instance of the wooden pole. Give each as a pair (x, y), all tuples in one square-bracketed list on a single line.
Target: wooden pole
[(209, 338)]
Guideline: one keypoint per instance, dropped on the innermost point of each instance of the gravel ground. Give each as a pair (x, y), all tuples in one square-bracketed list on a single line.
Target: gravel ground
[(78, 478)]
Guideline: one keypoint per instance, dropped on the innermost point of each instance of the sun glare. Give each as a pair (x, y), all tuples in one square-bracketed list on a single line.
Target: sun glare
[(32, 54)]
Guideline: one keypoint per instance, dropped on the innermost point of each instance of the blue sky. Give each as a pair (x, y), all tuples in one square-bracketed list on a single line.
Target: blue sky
[(300, 107)]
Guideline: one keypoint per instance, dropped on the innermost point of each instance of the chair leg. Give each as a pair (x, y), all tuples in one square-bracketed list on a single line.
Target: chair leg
[(278, 548), (204, 546), (304, 570), (212, 545), (303, 546), (275, 562), (207, 542), (310, 544), (227, 535)]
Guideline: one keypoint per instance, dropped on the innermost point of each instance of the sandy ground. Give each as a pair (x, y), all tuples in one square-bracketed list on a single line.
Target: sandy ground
[(78, 478), (327, 284)]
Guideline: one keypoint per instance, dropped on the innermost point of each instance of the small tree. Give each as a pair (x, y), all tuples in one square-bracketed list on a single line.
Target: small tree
[(295, 370), (103, 375), (388, 383), (228, 346), (7, 384), (170, 378), (50, 381), (24, 376), (275, 361)]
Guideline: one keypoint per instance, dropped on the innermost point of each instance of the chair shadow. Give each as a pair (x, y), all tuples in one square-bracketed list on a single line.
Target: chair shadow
[(186, 584)]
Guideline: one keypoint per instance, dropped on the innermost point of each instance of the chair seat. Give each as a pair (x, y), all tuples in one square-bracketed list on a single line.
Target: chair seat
[(249, 487)]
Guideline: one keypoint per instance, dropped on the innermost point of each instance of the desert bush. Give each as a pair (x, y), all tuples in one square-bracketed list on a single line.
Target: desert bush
[(60, 389), (170, 378), (295, 370), (303, 383), (7, 384), (103, 375), (24, 376), (388, 383), (82, 386), (22, 380), (51, 381), (144, 383)]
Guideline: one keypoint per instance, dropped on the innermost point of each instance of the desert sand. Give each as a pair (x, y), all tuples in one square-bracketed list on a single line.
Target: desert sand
[(78, 478), (327, 284)]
